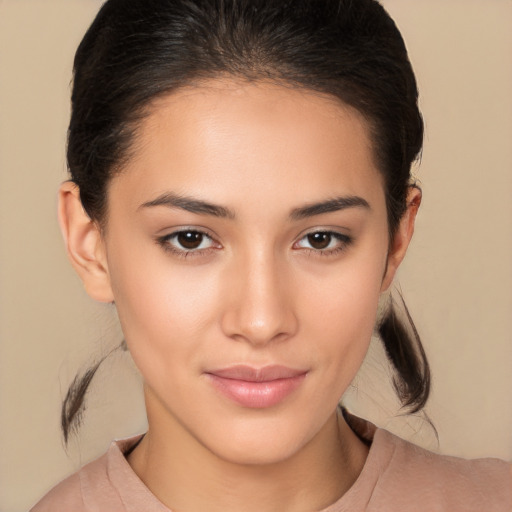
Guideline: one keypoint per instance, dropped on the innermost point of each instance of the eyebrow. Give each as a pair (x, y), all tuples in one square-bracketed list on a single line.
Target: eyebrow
[(331, 205), (200, 207), (190, 204)]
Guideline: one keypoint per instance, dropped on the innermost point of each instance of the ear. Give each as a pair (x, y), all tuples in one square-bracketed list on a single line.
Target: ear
[(84, 243), (403, 235)]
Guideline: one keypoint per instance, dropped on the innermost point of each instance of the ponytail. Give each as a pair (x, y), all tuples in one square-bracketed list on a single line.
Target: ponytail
[(405, 352), (73, 404)]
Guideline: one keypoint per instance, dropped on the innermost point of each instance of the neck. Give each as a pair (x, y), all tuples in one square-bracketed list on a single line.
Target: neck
[(184, 475)]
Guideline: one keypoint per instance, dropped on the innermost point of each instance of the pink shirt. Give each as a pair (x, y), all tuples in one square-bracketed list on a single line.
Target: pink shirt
[(397, 477)]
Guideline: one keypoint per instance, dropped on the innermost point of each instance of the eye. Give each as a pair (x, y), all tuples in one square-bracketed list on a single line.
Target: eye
[(326, 242), (187, 241)]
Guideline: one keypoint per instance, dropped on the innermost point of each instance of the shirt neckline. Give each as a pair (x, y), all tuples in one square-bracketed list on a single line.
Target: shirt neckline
[(136, 496)]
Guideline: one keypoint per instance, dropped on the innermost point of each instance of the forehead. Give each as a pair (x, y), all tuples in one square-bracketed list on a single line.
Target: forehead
[(226, 138)]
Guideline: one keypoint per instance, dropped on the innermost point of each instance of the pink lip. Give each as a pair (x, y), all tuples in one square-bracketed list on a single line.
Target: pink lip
[(256, 387)]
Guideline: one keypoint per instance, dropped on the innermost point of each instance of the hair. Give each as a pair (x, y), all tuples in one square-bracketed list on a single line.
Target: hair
[(140, 50)]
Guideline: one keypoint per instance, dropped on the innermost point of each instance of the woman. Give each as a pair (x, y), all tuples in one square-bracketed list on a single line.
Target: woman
[(241, 191)]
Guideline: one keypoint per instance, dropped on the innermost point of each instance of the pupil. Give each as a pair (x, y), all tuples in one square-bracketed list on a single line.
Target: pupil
[(319, 240), (190, 239)]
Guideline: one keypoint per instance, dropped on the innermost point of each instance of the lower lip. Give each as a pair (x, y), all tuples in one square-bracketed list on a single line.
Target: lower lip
[(257, 395)]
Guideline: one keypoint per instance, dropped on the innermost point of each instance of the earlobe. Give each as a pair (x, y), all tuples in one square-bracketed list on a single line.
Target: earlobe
[(400, 243), (84, 243)]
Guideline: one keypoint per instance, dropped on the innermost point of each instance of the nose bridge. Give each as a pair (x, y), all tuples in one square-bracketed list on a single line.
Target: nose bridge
[(261, 307)]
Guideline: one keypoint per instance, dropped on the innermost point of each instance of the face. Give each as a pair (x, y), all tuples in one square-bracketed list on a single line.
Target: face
[(246, 248)]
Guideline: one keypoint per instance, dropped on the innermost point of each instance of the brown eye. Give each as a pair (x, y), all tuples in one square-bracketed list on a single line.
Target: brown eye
[(188, 242), (319, 240), (324, 242), (190, 239)]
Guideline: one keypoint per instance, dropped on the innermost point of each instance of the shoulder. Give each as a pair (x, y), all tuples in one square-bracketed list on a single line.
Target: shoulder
[(95, 487), (83, 491), (66, 495), (440, 482), (399, 476), (69, 494)]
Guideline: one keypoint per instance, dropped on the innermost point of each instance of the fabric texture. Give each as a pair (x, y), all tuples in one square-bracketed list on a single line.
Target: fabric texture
[(397, 477)]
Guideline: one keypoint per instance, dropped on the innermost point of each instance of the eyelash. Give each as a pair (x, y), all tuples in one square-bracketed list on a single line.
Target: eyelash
[(164, 241), (344, 241)]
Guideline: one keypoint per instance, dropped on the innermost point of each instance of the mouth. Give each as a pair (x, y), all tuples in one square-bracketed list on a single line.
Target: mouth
[(256, 387)]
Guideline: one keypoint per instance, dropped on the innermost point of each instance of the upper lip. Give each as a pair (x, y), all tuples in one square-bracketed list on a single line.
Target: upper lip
[(251, 374)]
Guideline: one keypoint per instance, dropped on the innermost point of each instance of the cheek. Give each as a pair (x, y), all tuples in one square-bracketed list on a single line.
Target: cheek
[(164, 310), (340, 313)]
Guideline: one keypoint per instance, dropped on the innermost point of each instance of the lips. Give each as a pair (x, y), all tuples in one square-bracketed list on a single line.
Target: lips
[(256, 387)]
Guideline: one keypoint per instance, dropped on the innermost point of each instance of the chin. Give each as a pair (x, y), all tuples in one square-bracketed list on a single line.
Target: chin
[(264, 453), (261, 442)]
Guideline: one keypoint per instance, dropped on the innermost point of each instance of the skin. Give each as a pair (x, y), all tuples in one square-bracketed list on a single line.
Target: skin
[(255, 292)]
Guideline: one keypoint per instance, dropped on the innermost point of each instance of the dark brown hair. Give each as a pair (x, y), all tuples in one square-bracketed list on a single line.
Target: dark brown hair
[(136, 51)]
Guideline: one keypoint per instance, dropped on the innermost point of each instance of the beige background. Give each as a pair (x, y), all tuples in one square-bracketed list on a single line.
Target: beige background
[(457, 279)]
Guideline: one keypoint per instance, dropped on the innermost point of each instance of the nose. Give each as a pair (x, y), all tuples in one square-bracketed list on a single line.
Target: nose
[(259, 306)]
